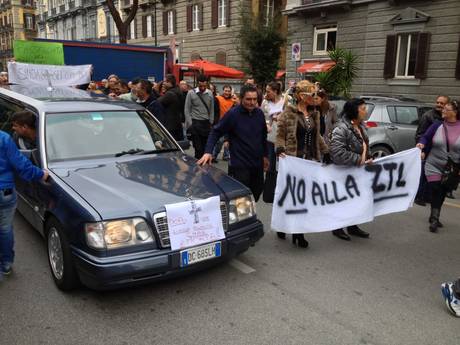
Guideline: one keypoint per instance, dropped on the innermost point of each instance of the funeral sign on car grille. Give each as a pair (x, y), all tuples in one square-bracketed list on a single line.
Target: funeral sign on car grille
[(195, 222), (311, 197)]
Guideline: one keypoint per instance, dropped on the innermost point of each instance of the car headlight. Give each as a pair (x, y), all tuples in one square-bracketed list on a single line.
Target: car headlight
[(241, 209), (118, 233)]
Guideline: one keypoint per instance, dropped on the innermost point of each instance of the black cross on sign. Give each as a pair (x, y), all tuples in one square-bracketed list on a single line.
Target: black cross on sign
[(195, 211)]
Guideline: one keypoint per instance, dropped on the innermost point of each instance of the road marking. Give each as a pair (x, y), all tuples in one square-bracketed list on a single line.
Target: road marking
[(452, 204), (241, 266)]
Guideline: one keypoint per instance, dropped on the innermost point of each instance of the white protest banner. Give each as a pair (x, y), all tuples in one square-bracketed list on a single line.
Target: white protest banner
[(194, 222), (311, 197), (48, 75)]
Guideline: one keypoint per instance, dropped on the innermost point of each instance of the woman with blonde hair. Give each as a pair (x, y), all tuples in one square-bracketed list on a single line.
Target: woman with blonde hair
[(299, 135)]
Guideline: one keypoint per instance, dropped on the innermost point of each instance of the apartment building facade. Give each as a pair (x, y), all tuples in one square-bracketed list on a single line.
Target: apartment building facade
[(406, 47), (17, 21), (82, 20)]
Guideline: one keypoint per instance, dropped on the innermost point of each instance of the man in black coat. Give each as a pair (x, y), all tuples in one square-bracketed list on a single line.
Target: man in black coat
[(171, 103)]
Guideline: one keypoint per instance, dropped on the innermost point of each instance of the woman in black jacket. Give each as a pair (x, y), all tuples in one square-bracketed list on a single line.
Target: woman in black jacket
[(350, 146)]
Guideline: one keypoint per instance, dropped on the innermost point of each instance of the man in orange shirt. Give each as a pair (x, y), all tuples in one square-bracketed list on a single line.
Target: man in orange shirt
[(225, 104)]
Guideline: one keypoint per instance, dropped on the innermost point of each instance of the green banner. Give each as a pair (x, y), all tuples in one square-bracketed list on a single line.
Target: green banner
[(44, 53)]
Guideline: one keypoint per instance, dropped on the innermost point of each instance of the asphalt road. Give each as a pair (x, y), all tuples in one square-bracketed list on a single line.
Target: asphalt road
[(382, 290)]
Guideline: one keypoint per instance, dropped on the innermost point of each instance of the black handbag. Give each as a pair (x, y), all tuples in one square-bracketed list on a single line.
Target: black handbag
[(269, 186), (449, 177)]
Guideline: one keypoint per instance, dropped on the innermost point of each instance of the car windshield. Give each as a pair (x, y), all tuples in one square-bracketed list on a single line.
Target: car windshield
[(84, 135)]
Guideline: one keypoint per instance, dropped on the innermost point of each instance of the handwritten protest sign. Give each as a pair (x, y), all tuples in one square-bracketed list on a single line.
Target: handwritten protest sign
[(48, 75), (50, 53), (194, 222), (310, 197)]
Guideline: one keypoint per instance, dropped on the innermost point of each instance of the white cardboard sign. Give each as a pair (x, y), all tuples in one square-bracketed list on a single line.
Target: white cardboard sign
[(195, 222)]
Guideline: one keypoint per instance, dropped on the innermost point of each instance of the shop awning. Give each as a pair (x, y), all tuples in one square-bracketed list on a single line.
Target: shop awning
[(316, 66), (212, 69), (280, 74)]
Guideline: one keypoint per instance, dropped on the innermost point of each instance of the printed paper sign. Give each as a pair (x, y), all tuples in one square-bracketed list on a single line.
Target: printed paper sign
[(195, 222), (311, 197), (48, 75)]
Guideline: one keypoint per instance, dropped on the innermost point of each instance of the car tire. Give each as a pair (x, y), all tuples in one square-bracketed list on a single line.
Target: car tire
[(380, 151), (60, 257)]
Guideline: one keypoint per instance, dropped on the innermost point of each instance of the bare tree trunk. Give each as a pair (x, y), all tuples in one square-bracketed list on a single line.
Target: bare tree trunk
[(122, 26)]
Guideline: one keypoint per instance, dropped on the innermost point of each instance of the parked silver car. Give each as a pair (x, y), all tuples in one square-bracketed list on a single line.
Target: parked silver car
[(392, 124)]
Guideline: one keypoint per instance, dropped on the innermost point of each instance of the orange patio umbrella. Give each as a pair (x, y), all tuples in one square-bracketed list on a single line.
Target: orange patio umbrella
[(212, 69)]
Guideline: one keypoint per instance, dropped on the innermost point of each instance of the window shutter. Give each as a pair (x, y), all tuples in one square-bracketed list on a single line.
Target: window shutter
[(457, 70), (165, 23), (128, 33), (25, 20), (33, 22), (174, 22), (144, 26), (214, 14), (421, 61), (189, 18), (200, 15), (390, 57), (262, 8), (229, 2)]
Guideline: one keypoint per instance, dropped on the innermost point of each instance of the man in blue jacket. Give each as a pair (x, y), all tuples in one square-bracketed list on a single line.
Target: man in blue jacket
[(11, 161), (246, 130)]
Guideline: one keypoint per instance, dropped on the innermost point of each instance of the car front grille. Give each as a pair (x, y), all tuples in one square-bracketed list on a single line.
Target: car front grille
[(161, 224)]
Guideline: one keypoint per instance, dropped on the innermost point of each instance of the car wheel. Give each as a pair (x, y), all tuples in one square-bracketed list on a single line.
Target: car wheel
[(380, 151), (60, 257)]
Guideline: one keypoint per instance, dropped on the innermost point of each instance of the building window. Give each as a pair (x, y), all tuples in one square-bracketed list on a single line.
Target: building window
[(324, 39), (132, 30), (29, 21), (196, 18), (221, 58), (268, 9), (406, 54), (222, 9), (170, 22), (149, 26)]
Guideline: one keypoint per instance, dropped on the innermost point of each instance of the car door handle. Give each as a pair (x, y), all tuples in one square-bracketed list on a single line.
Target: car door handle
[(392, 127)]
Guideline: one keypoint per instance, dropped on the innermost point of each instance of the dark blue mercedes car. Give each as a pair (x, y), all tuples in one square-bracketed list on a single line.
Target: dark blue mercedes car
[(113, 168)]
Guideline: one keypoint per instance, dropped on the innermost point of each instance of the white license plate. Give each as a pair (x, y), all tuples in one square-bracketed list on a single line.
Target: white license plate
[(198, 254)]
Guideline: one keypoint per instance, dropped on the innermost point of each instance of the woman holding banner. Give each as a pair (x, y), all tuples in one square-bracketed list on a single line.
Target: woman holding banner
[(442, 167), (350, 146), (299, 135)]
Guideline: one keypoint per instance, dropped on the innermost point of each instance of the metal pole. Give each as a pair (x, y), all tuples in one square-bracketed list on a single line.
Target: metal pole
[(155, 19)]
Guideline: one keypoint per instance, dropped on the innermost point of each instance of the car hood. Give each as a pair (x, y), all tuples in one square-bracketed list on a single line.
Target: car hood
[(133, 186)]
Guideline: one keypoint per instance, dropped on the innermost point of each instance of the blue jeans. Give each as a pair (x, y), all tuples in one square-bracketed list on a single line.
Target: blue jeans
[(218, 148), (7, 209)]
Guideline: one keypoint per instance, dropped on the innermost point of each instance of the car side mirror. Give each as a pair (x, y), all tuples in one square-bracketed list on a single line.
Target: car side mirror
[(184, 144)]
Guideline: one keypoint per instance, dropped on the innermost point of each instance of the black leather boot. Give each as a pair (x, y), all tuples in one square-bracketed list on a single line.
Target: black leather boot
[(341, 234), (356, 231), (299, 240), (434, 219)]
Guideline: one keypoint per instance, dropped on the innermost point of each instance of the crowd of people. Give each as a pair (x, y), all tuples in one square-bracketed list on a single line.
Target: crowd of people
[(256, 129)]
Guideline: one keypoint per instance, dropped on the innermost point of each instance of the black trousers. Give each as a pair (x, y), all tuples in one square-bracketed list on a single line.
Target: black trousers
[(200, 131), (457, 288), (252, 178), (438, 194)]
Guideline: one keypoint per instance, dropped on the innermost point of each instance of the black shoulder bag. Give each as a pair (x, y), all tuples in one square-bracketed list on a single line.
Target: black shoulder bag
[(449, 178)]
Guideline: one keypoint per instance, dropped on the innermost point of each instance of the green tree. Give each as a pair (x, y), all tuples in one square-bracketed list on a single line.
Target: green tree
[(259, 44), (339, 79)]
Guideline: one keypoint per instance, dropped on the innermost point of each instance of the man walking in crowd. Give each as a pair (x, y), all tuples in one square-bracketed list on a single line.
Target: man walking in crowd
[(25, 133), (426, 121), (171, 102), (3, 78), (251, 81), (247, 133), (146, 97), (11, 161), (199, 114), (225, 104)]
